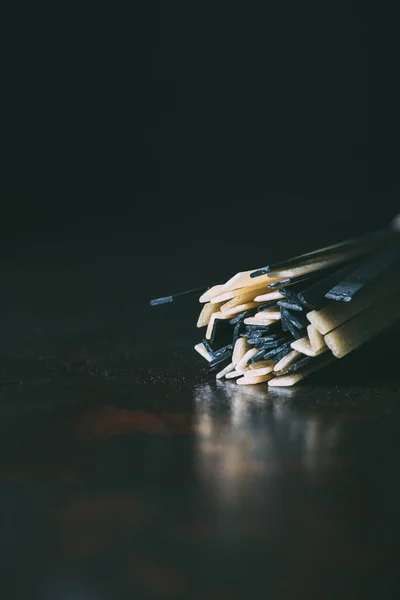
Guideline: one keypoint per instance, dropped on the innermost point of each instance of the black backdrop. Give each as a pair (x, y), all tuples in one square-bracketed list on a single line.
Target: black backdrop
[(172, 124), (135, 116)]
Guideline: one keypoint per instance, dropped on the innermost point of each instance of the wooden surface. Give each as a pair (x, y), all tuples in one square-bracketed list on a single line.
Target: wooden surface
[(126, 471)]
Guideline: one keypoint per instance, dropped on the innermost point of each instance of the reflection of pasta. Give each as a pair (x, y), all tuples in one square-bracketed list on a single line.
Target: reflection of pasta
[(245, 442)]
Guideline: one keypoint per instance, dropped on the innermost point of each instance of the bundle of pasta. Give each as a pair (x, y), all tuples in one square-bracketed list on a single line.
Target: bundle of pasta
[(284, 321)]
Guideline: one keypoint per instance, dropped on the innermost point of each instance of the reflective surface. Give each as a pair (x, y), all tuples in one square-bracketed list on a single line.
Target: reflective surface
[(127, 472)]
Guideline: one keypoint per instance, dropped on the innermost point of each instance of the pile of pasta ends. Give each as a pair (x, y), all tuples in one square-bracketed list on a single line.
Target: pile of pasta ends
[(280, 323)]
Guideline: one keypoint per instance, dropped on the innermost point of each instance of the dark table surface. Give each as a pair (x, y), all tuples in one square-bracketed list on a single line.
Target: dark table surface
[(126, 471)]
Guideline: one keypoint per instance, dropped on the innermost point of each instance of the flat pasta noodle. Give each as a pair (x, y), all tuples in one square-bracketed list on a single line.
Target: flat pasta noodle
[(245, 380), (206, 312), (261, 370), (262, 364), (251, 290), (258, 321), (233, 374), (200, 348), (303, 345), (228, 369), (239, 350), (287, 361), (316, 339), (242, 364), (230, 312), (211, 293), (214, 316)]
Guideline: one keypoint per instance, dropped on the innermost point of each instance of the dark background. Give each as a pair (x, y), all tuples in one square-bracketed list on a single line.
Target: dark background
[(133, 117), (150, 147)]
